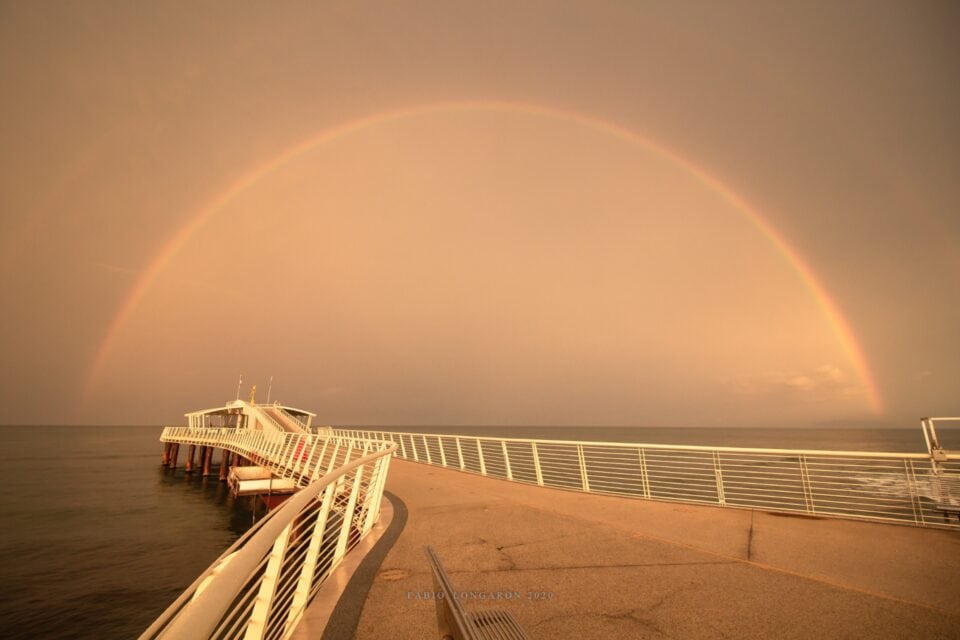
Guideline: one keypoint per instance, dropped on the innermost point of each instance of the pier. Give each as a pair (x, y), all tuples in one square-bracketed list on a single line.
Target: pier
[(577, 539), (260, 586), (588, 566)]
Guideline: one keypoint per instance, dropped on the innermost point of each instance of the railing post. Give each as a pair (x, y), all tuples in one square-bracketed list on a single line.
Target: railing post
[(583, 468), (483, 465), (394, 438), (319, 464), (287, 460), (296, 462), (348, 517), (807, 488), (718, 475), (918, 517), (403, 447), (413, 445), (460, 454), (506, 460), (333, 457), (287, 443), (263, 446), (270, 443), (304, 584), (375, 492), (257, 625), (644, 477), (426, 448), (299, 451), (296, 448), (313, 449), (443, 455), (536, 463), (276, 451), (363, 493)]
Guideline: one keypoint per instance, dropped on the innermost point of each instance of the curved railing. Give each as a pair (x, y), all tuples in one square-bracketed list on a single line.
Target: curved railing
[(303, 457), (886, 487), (261, 585)]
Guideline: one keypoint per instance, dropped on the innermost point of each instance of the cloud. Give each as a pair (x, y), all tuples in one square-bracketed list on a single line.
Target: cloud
[(823, 384)]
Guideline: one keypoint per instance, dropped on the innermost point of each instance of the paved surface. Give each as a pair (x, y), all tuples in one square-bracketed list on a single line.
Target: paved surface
[(571, 565)]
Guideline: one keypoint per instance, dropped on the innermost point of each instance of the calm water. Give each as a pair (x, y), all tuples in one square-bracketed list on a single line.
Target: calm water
[(97, 539)]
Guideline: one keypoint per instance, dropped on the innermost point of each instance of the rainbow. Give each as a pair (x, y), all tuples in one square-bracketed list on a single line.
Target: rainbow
[(830, 310)]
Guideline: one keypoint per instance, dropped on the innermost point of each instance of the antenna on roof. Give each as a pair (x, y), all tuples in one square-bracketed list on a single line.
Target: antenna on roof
[(269, 389), (239, 384)]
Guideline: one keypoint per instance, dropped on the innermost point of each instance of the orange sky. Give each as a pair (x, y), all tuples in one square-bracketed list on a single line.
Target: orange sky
[(590, 215)]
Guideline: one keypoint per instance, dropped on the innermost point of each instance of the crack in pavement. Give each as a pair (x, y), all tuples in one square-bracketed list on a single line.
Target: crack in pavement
[(634, 616)]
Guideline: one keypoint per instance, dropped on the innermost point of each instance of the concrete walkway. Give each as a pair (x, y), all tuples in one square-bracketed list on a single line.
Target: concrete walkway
[(570, 565)]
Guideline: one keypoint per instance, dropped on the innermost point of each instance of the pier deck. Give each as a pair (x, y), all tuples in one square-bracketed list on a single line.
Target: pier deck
[(590, 566)]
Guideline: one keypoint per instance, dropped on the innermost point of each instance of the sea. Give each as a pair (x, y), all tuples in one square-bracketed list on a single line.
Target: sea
[(97, 539)]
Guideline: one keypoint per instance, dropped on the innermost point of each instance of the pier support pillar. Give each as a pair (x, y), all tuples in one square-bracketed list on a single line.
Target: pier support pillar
[(224, 464), (174, 453), (191, 450), (205, 455), (165, 456)]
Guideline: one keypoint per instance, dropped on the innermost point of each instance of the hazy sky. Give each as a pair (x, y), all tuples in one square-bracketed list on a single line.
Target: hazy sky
[(631, 213)]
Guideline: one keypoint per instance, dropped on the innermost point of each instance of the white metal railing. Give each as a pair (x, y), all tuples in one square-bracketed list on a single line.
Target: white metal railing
[(886, 487), (260, 586), (213, 421), (301, 456), (290, 416), (261, 412), (278, 416)]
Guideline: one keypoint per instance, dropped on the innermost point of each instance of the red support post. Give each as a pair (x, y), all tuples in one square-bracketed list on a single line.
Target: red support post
[(206, 455), (191, 450), (224, 464)]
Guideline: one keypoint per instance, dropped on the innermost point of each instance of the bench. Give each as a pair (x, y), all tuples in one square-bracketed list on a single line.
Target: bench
[(454, 622)]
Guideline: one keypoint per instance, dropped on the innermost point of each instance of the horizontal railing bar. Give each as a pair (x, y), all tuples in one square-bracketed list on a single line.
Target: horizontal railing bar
[(676, 447)]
